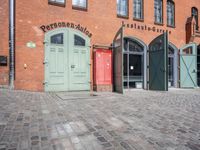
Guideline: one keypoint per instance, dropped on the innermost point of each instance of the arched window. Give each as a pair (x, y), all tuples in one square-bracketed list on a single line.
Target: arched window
[(158, 11), (195, 15), (138, 9), (57, 38), (78, 41), (170, 13)]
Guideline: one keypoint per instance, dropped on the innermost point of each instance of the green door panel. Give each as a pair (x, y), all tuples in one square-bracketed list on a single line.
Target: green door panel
[(79, 60), (67, 67), (188, 66), (55, 62), (158, 63)]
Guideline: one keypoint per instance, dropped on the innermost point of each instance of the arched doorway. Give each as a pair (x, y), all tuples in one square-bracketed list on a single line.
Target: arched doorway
[(67, 60), (172, 66), (134, 63)]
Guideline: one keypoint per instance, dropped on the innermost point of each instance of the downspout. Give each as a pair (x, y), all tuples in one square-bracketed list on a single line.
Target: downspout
[(11, 43)]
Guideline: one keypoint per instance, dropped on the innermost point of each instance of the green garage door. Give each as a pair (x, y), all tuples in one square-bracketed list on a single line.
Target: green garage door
[(188, 66), (158, 63), (118, 61), (67, 61)]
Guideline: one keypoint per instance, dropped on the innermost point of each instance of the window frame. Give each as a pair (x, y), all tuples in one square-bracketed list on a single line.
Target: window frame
[(159, 23), (139, 19), (124, 16), (173, 26), (57, 3), (80, 7)]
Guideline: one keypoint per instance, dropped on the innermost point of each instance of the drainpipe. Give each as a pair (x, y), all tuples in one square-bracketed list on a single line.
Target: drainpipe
[(11, 43)]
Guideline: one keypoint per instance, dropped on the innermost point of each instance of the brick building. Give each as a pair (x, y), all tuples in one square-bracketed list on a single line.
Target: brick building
[(55, 40)]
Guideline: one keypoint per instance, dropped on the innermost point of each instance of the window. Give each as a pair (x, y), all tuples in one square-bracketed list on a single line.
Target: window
[(158, 11), (170, 13), (78, 41), (57, 39), (79, 4), (57, 2), (138, 9), (195, 15), (122, 8), (188, 50)]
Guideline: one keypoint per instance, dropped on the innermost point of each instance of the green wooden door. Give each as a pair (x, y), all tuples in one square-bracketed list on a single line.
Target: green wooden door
[(158, 63), (67, 61), (188, 66), (118, 62), (56, 76), (79, 62)]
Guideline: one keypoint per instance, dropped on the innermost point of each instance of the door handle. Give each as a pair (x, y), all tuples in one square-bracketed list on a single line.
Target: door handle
[(194, 71), (72, 66)]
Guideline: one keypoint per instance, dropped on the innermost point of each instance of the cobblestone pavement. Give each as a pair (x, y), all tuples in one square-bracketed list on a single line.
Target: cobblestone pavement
[(137, 120)]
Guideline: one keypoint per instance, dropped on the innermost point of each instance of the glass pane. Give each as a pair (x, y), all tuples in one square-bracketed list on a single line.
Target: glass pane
[(195, 14), (125, 44), (138, 6), (58, 1), (122, 7), (170, 50), (79, 41), (135, 47), (135, 65), (57, 39), (80, 3), (125, 65), (170, 13), (187, 50), (158, 11)]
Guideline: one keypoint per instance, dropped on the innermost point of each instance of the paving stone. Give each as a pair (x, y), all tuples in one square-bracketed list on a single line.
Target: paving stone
[(101, 139), (136, 120), (106, 145)]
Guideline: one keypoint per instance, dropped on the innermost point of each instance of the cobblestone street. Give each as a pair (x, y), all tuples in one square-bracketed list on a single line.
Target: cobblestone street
[(137, 120)]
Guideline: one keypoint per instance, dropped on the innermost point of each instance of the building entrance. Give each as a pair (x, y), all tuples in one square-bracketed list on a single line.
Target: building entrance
[(133, 56), (67, 61)]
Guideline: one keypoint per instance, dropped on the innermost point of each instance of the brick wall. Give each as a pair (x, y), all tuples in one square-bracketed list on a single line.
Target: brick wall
[(4, 71), (100, 19)]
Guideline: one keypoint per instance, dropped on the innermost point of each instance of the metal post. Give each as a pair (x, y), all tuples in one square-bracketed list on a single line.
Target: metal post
[(12, 42)]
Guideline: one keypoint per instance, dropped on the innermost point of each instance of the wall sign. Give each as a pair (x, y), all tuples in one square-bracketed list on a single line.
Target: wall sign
[(52, 26), (31, 44), (3, 61), (145, 28)]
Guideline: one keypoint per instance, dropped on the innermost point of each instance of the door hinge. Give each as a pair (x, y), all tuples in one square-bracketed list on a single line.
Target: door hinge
[(45, 42), (45, 62), (45, 82)]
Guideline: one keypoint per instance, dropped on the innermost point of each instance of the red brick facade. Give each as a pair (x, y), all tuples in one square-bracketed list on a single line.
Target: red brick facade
[(100, 19), (4, 48)]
